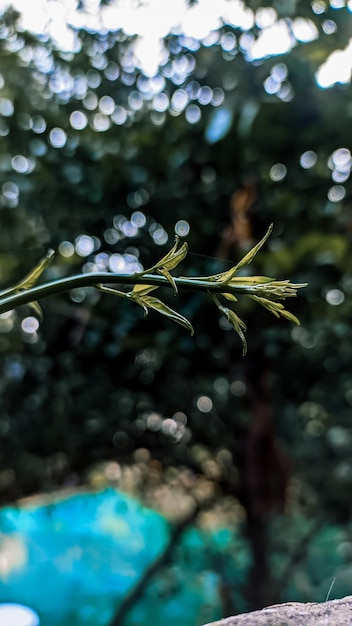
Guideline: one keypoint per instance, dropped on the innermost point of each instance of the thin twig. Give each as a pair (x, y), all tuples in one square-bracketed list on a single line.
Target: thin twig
[(97, 278)]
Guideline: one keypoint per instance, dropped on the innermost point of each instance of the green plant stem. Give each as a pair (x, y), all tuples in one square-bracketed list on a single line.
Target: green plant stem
[(9, 302)]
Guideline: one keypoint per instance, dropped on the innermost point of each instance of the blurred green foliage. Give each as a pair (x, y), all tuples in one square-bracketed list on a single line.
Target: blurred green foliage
[(105, 164)]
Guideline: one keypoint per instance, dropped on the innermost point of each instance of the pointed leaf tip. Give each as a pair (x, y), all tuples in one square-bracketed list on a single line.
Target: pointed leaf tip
[(289, 316), (164, 272), (248, 258), (158, 305), (33, 276)]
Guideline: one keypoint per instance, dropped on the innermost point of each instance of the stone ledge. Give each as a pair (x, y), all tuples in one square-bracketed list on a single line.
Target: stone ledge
[(331, 613)]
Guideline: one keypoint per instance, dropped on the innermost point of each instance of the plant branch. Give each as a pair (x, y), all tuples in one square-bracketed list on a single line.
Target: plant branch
[(93, 279), (265, 291)]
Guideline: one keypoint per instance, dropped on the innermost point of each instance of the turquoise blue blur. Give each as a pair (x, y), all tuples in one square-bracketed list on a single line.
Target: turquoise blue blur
[(73, 560)]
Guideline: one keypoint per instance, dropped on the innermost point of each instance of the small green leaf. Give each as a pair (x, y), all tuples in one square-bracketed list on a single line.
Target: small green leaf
[(230, 296), (32, 278), (248, 258), (281, 289), (141, 302), (251, 280), (113, 292), (273, 307), (158, 305), (277, 308), (142, 290), (170, 278), (167, 256), (226, 277), (239, 326), (290, 316), (171, 259), (176, 258)]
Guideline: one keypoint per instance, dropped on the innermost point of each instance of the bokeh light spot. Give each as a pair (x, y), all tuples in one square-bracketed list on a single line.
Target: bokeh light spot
[(308, 159), (66, 249), (319, 7), (117, 264), (335, 297), (106, 105), (78, 120), (84, 245), (6, 107), (204, 404), (278, 172), (38, 124), (20, 164), (129, 229), (135, 100), (182, 228), (228, 42), (112, 71), (154, 422), (77, 295), (10, 190), (238, 388), (119, 116), (138, 219), (341, 158), (265, 16), (329, 27), (205, 95), (30, 325), (193, 114), (272, 85), (12, 614), (179, 100), (160, 236), (111, 236), (100, 122), (93, 79), (218, 96), (90, 102), (161, 102), (57, 137), (336, 193), (279, 71)]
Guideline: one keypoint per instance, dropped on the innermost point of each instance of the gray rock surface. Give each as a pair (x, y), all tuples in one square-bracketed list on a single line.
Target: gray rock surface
[(332, 613)]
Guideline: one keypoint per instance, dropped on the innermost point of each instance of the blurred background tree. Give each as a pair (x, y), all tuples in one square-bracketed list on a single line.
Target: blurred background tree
[(105, 161)]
